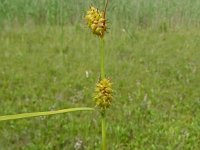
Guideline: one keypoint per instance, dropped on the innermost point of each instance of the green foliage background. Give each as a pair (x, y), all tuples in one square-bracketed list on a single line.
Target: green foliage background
[(144, 13), (49, 60)]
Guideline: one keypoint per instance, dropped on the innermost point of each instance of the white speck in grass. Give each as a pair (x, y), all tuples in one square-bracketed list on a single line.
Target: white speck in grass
[(78, 145), (87, 74)]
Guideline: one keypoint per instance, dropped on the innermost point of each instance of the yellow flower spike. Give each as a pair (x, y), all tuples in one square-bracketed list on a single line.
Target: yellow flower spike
[(96, 21), (103, 94)]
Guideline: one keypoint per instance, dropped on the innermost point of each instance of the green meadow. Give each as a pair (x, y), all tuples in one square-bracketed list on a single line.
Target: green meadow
[(49, 60)]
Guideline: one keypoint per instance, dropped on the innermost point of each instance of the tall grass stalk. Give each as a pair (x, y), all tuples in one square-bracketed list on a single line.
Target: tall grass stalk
[(103, 118), (103, 115), (62, 25), (102, 51), (103, 124)]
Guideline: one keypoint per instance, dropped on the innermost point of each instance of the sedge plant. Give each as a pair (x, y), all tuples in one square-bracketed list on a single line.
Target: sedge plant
[(96, 21)]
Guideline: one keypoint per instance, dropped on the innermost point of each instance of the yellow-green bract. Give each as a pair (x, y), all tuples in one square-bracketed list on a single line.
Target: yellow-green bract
[(47, 113)]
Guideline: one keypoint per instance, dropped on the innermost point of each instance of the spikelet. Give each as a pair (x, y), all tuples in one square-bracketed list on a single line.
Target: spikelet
[(103, 94), (96, 21)]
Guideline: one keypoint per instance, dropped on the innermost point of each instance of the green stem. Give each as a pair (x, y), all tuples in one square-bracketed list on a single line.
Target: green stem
[(103, 119), (102, 58), (103, 132), (61, 23)]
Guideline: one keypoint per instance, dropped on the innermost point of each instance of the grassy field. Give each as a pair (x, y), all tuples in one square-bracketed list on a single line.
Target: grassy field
[(50, 64), (152, 13)]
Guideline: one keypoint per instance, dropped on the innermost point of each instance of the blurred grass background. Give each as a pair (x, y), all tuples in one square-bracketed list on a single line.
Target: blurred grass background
[(49, 60), (154, 13)]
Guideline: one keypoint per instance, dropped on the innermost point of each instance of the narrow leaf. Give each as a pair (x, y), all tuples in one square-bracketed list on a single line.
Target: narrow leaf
[(47, 113)]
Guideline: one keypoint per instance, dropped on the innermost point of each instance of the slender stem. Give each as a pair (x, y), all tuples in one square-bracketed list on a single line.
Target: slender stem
[(103, 119), (103, 132), (102, 58), (105, 8), (62, 26)]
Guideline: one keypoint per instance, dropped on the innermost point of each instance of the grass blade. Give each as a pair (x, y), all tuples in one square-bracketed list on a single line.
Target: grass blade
[(47, 113)]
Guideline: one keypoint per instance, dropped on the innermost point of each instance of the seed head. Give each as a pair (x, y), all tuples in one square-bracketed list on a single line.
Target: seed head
[(103, 94), (96, 21)]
